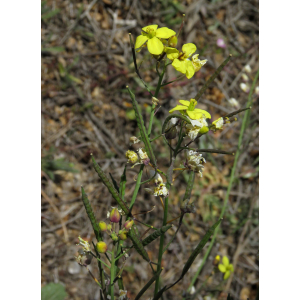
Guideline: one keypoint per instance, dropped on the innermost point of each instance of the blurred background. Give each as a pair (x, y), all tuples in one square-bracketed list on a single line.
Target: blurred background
[(86, 65)]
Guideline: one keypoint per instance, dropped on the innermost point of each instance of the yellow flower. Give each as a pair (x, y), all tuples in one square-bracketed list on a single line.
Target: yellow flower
[(226, 268), (181, 61), (151, 35), (190, 110)]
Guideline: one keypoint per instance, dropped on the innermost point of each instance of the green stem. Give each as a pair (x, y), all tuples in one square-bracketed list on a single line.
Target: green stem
[(112, 272), (161, 243), (230, 181), (161, 76), (137, 187), (103, 262)]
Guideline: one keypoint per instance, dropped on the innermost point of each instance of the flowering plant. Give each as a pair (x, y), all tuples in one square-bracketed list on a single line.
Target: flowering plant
[(179, 130)]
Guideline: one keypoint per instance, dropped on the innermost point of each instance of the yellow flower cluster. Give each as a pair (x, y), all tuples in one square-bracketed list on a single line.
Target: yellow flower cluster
[(155, 40)]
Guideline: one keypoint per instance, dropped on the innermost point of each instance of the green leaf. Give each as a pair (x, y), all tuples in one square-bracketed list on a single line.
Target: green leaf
[(91, 215), (197, 251), (53, 291), (53, 50), (148, 284), (114, 183), (110, 187), (199, 248)]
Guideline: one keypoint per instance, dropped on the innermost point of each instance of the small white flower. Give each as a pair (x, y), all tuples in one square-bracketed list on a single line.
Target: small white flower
[(248, 69), (245, 77), (234, 103), (195, 126), (143, 157), (244, 87), (159, 190), (257, 90), (193, 290), (123, 295), (157, 179)]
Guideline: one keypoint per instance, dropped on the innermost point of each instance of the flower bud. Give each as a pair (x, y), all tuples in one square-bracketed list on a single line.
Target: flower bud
[(101, 247), (216, 260), (123, 234), (102, 226), (155, 101), (172, 42), (128, 224), (114, 237), (244, 87), (115, 216), (132, 156), (245, 77), (221, 43), (204, 130), (109, 227), (133, 140), (248, 69)]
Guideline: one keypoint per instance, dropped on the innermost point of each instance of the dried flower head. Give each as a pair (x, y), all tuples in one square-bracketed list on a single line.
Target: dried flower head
[(85, 245), (194, 161)]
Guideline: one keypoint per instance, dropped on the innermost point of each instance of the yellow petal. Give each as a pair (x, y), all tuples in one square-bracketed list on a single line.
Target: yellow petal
[(194, 115), (164, 33), (226, 275), (140, 40), (178, 107), (184, 102), (225, 261), (172, 53), (222, 268), (230, 268), (155, 46), (153, 27), (179, 65), (189, 49), (190, 71), (207, 114)]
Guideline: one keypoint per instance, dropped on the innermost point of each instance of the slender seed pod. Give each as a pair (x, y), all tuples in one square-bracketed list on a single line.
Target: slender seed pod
[(155, 235)]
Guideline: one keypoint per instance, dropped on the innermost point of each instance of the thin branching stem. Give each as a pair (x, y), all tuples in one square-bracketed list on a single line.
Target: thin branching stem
[(232, 176)]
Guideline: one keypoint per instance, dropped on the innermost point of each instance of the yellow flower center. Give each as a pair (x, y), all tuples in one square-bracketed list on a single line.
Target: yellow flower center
[(151, 33), (192, 105)]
